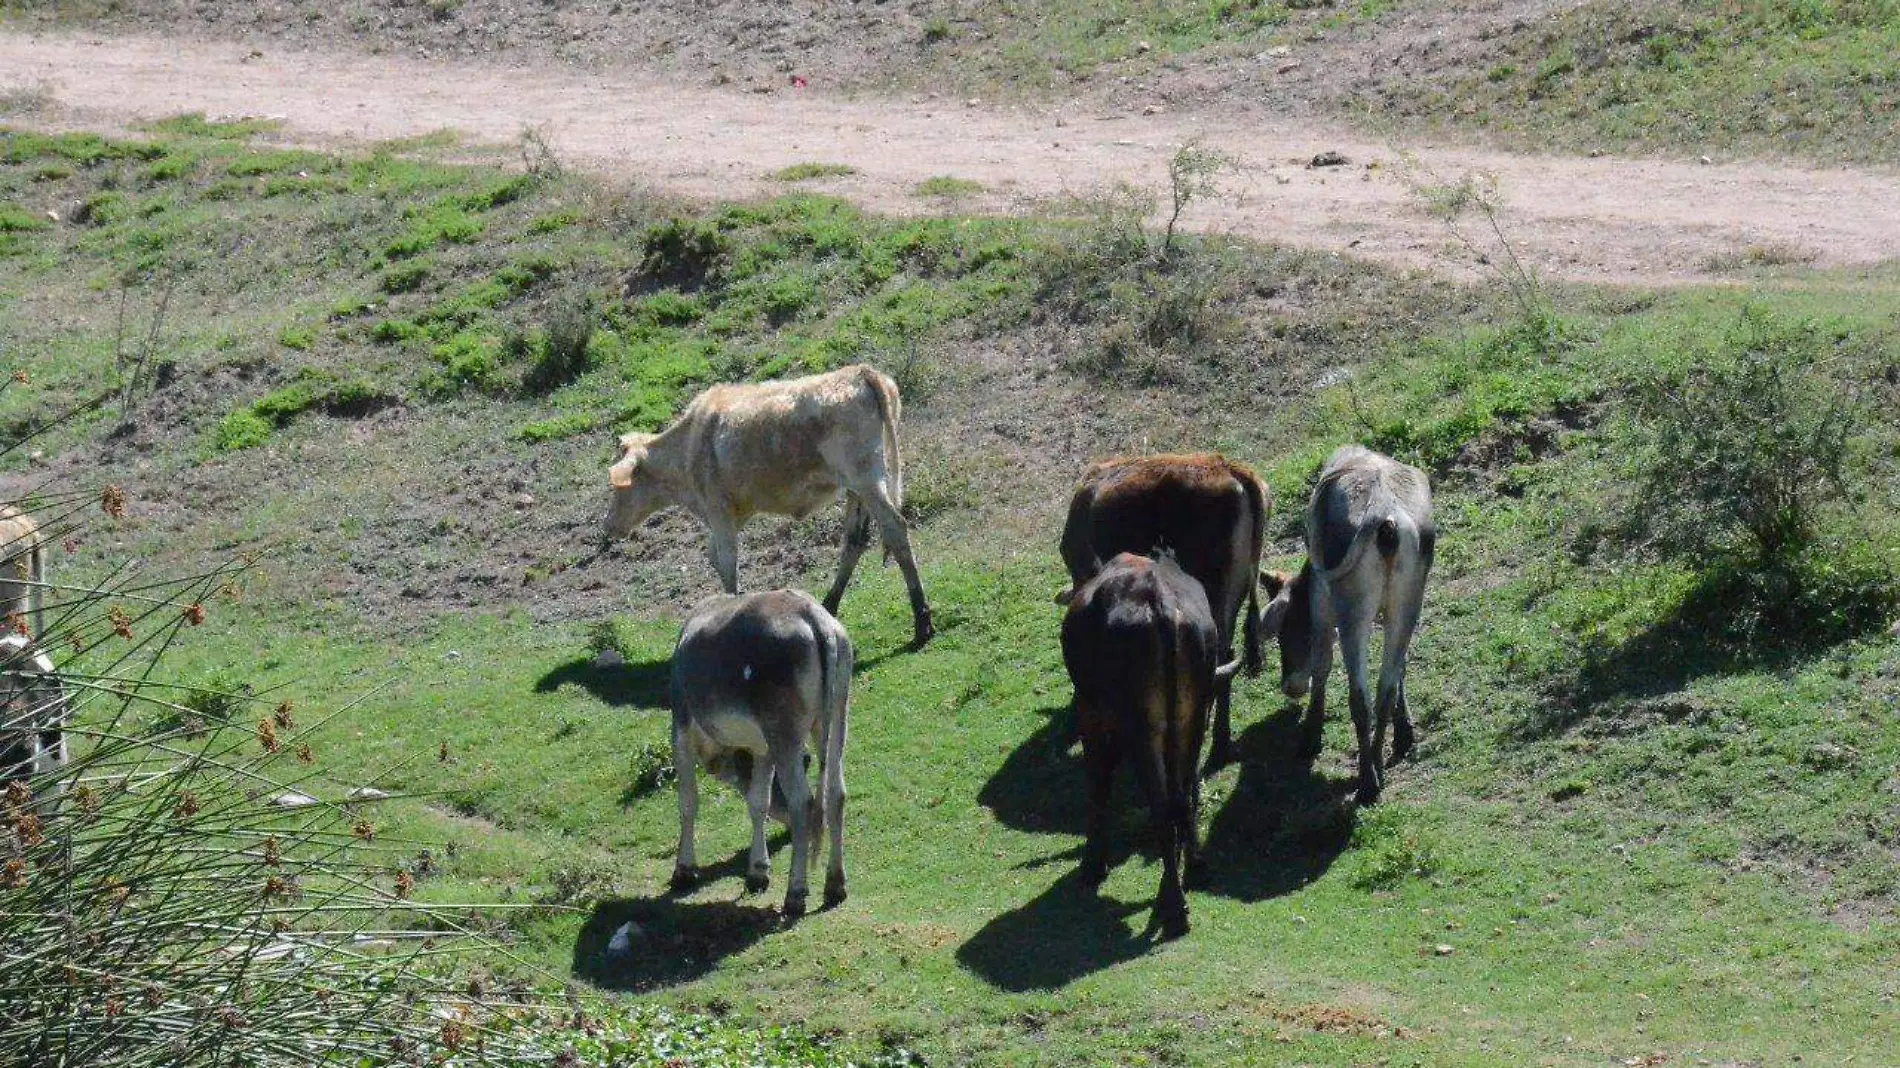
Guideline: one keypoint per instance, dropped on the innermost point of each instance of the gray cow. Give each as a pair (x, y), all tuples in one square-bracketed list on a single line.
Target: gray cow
[(755, 676), (33, 710), (1369, 540)]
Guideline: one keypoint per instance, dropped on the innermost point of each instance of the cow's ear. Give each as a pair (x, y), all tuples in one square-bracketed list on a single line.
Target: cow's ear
[(1274, 616), (1274, 581), (620, 475)]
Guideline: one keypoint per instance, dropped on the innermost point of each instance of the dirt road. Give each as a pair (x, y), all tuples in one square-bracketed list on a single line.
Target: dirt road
[(1617, 220)]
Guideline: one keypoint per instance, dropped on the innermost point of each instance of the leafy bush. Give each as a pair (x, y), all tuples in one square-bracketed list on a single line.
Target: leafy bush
[(241, 430), (564, 352), (175, 916), (681, 252), (1738, 456)]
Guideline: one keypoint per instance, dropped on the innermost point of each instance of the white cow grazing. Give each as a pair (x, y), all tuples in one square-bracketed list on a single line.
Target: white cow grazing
[(756, 678), (33, 709), (1369, 543), (778, 448)]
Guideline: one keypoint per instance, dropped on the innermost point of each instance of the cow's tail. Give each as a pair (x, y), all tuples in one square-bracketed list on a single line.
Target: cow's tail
[(37, 562), (890, 409), (834, 685), (1258, 502)]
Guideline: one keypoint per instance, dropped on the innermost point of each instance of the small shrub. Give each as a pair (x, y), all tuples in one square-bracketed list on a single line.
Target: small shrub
[(298, 338), (557, 428), (468, 359), (805, 172), (650, 769), (18, 220), (936, 30), (1394, 848), (241, 430), (564, 352), (945, 187), (681, 252), (405, 277)]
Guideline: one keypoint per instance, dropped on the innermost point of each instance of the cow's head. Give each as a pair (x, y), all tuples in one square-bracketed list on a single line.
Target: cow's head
[(1292, 609), (636, 493)]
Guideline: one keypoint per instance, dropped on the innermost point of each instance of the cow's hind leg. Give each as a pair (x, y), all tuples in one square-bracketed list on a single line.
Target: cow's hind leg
[(686, 779), (1313, 726), (1353, 637), (897, 539), (1171, 913), (857, 538), (797, 786), (832, 789), (1099, 756), (1221, 753), (1400, 625), (722, 545), (758, 799)]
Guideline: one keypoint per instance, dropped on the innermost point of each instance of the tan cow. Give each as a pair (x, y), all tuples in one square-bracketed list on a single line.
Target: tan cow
[(22, 569), (778, 448)]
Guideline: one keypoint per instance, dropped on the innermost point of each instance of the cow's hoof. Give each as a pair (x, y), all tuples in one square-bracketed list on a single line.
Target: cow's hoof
[(1219, 757), (1174, 925), (794, 906), (831, 604), (1309, 750), (1094, 873), (1367, 795), (922, 631), (756, 882), (684, 879), (834, 893), (1195, 877), (1402, 740)]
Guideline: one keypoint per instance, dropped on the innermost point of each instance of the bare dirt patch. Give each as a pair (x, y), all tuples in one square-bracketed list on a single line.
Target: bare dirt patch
[(1597, 220)]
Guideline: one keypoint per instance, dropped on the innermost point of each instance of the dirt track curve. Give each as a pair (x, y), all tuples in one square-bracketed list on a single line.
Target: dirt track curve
[(1615, 220)]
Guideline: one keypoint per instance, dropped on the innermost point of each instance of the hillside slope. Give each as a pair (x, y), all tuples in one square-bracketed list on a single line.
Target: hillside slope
[(1652, 817), (1815, 81)]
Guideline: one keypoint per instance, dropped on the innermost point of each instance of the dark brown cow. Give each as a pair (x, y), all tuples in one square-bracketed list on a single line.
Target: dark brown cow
[(1141, 648), (1209, 511)]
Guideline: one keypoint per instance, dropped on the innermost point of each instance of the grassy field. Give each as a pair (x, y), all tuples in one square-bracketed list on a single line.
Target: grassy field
[(1816, 80), (1644, 822)]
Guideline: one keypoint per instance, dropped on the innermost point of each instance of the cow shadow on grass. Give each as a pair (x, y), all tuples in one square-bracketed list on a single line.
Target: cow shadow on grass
[(642, 684), (1284, 823), (1282, 826), (1039, 787), (672, 941), (1066, 932)]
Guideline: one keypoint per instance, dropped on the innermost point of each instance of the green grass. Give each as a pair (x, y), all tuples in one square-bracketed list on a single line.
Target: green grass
[(805, 172), (1818, 79), (1633, 839), (947, 187)]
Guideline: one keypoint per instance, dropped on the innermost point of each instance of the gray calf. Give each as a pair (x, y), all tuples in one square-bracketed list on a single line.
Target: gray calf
[(1369, 542), (33, 709), (755, 676)]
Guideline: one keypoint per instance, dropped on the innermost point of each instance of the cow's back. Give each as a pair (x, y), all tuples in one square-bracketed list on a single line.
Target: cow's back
[(756, 653), (1120, 633), (1193, 505), (19, 559), (771, 446), (1359, 489)]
